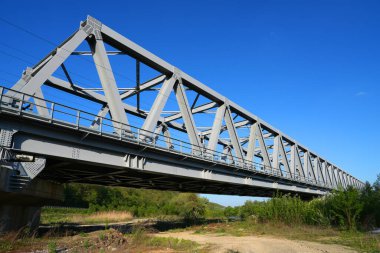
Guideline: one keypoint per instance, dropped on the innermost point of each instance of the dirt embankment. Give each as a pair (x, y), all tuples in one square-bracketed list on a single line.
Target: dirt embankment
[(257, 244)]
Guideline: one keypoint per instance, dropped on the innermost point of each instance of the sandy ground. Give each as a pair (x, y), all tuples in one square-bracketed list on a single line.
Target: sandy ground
[(257, 244)]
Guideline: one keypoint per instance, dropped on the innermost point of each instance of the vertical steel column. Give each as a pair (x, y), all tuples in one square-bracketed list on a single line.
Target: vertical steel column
[(275, 154), (293, 160), (138, 84)]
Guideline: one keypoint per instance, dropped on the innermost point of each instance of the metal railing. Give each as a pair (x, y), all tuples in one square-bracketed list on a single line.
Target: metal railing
[(19, 104)]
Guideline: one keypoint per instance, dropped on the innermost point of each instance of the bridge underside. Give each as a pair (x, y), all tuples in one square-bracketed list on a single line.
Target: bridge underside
[(128, 177), (78, 156)]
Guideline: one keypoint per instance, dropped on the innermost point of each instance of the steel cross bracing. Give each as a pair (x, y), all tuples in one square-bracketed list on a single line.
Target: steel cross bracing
[(234, 136)]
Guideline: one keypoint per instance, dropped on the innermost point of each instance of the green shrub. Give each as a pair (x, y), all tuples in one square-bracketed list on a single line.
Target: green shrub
[(189, 206), (343, 207), (285, 209), (231, 211), (52, 247)]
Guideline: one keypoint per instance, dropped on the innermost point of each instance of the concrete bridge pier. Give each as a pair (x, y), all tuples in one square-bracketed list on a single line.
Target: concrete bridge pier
[(21, 200), (15, 217)]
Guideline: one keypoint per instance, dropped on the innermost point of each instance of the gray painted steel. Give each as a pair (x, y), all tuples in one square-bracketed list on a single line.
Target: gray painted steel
[(147, 156)]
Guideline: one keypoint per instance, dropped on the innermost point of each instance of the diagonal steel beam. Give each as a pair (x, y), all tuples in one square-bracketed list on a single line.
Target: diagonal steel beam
[(105, 109), (252, 143), (99, 98), (284, 158), (329, 174), (163, 129), (263, 147), (144, 86), (308, 166), (40, 103), (187, 117), (318, 167), (216, 128), (300, 168), (224, 127), (42, 71), (233, 134), (158, 105), (101, 114), (108, 82)]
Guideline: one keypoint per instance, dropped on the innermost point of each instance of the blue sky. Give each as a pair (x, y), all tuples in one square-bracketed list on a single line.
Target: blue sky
[(310, 68)]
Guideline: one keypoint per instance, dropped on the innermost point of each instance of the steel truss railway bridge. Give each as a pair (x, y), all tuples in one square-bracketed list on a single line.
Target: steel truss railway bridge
[(166, 131)]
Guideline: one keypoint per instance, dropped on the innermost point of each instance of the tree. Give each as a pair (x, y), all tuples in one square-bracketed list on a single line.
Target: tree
[(189, 206), (376, 184), (230, 211), (345, 207)]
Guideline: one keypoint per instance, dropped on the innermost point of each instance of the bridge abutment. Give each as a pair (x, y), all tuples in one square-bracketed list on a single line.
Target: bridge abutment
[(15, 217), (20, 207)]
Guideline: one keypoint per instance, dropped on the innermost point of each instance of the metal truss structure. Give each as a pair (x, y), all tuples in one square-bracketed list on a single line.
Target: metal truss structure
[(234, 138)]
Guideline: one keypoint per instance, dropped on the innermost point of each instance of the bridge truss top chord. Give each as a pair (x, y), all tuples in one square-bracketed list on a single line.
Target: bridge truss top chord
[(163, 102)]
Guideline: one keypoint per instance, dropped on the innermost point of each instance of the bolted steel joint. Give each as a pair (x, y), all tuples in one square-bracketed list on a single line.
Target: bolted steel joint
[(92, 26), (177, 75), (27, 74)]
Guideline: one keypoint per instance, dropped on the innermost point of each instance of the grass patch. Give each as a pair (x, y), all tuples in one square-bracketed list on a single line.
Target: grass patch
[(140, 238), (61, 215), (363, 242), (17, 241), (107, 217), (52, 247), (173, 243), (82, 216), (5, 246)]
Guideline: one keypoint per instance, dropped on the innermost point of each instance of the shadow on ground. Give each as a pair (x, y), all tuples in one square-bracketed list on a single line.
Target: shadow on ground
[(67, 229)]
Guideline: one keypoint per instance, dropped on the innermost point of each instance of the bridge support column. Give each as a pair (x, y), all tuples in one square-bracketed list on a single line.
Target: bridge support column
[(21, 208), (13, 218)]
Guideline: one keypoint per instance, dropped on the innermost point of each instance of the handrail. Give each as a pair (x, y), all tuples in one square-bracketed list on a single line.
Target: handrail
[(149, 138)]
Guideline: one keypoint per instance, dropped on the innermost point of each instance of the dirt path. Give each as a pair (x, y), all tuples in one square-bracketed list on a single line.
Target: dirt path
[(257, 244)]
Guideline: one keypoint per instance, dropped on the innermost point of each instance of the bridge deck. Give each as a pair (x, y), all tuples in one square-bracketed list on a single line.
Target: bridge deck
[(20, 113)]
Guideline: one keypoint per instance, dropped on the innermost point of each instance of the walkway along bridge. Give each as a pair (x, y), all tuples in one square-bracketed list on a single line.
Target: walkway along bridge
[(146, 136)]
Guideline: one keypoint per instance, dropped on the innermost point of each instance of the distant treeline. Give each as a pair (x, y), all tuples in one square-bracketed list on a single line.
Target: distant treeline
[(139, 202), (350, 208)]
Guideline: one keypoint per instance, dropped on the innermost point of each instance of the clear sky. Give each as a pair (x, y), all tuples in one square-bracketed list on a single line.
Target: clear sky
[(310, 68)]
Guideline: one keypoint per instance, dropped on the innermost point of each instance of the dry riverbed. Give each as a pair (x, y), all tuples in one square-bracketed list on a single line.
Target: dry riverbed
[(259, 244)]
